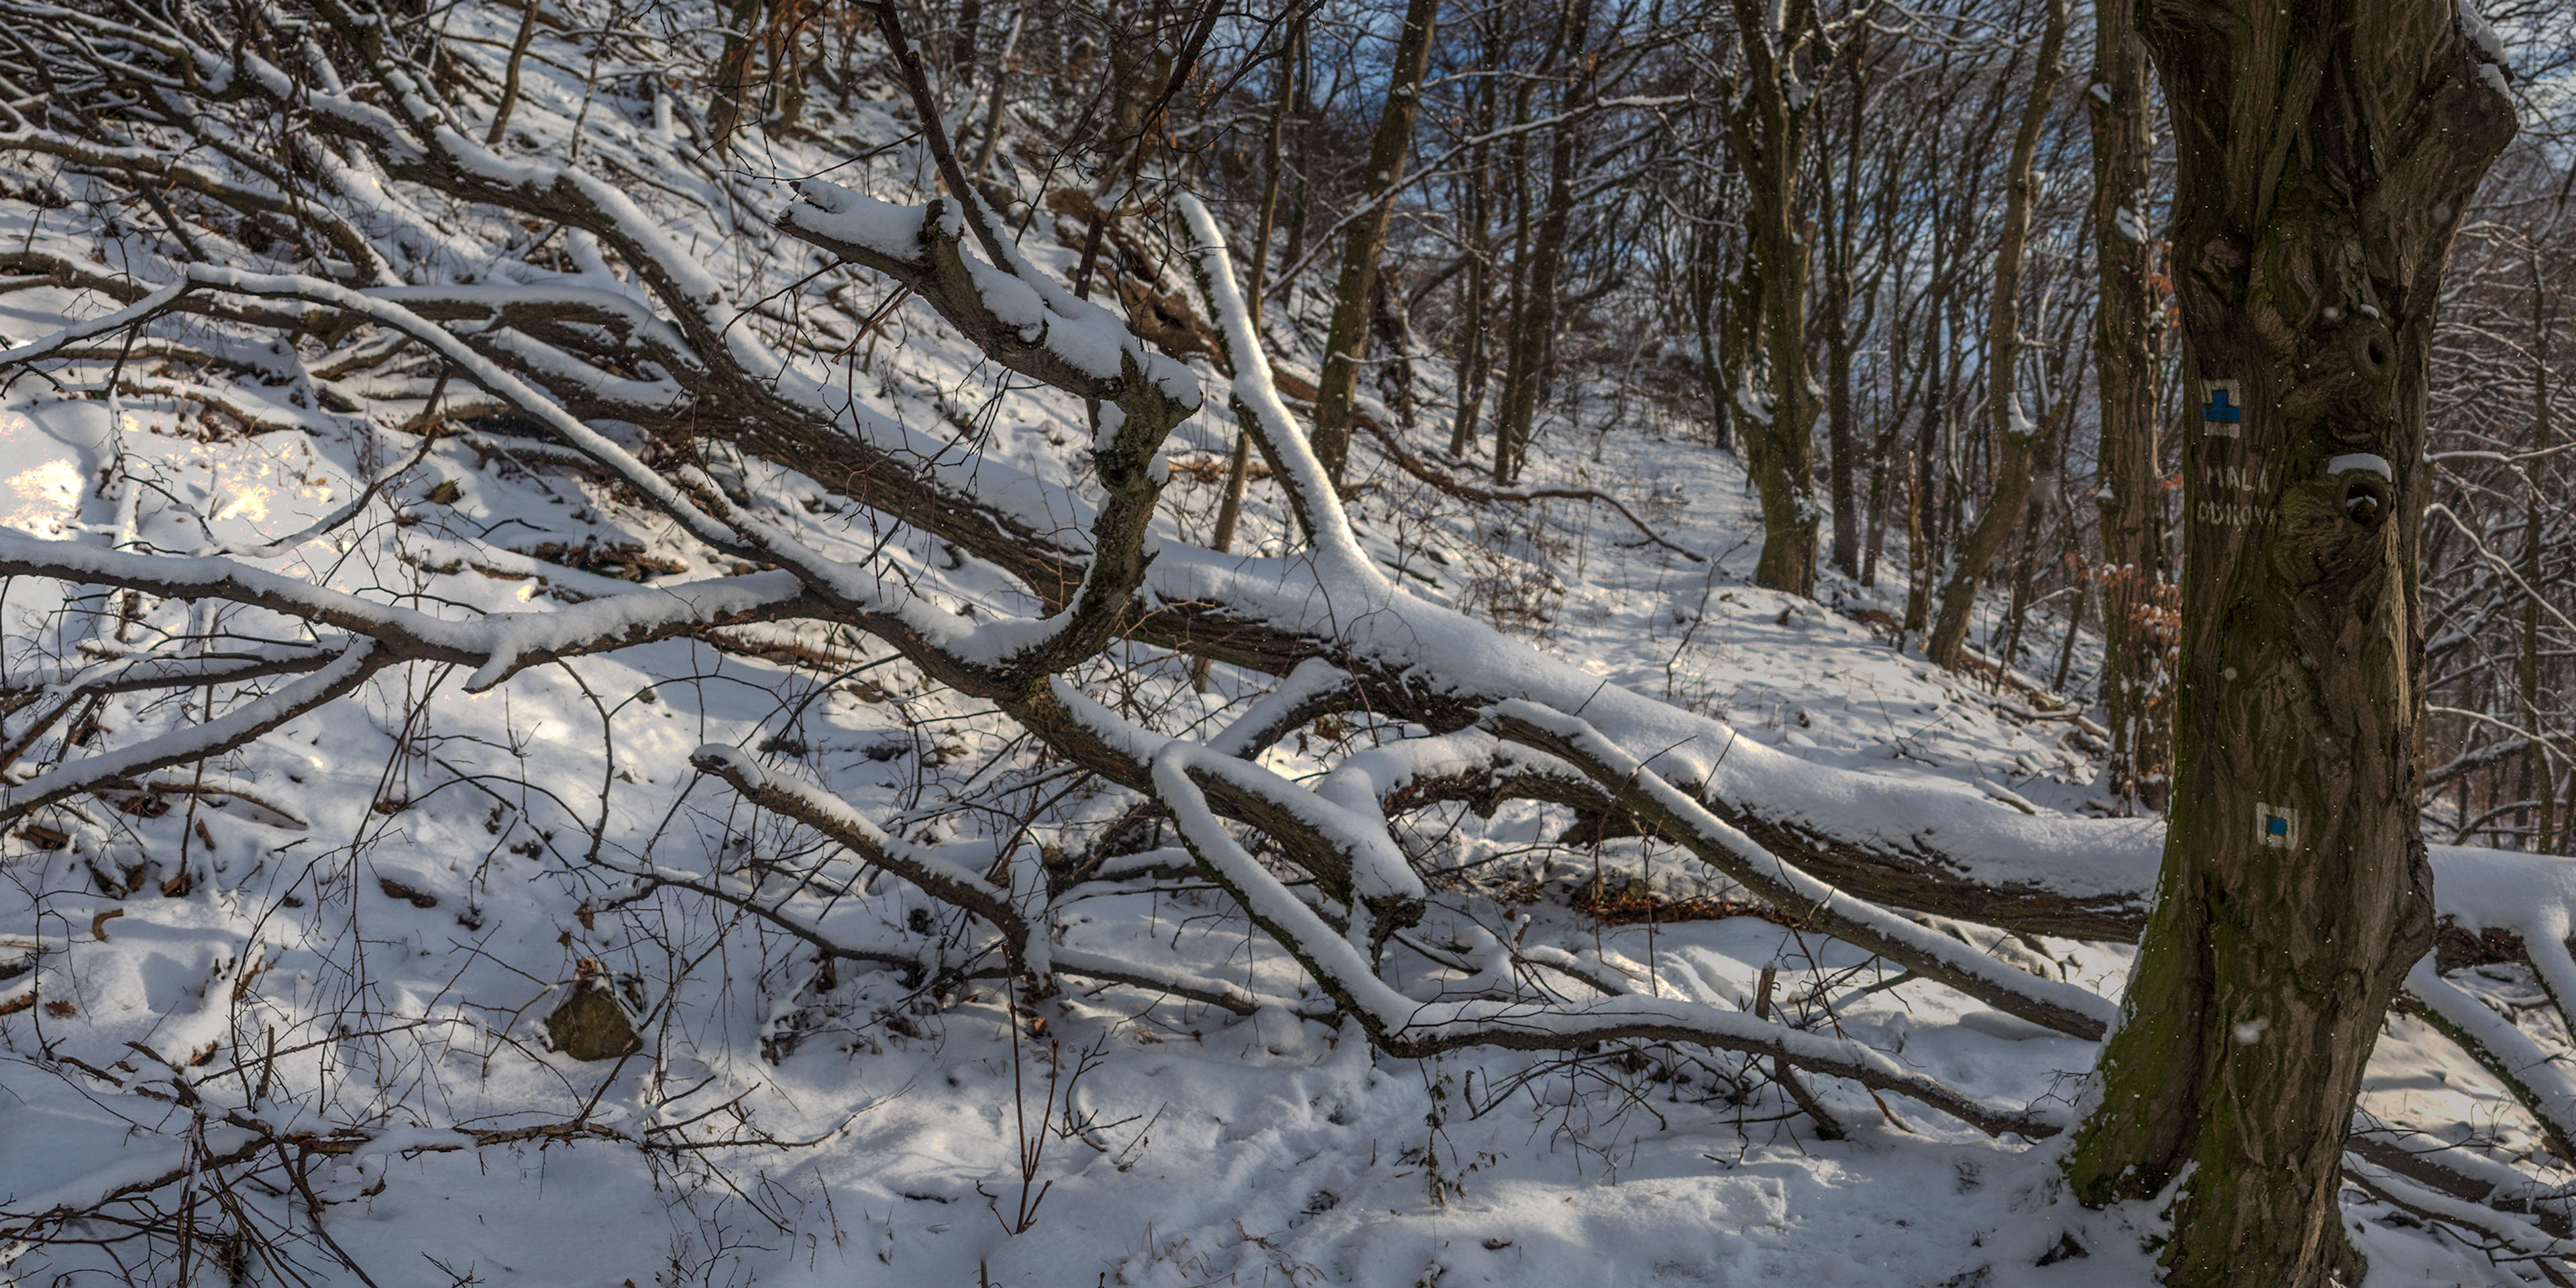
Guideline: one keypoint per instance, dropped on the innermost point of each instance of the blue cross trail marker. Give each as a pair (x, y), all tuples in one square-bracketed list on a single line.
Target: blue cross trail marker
[(2220, 408)]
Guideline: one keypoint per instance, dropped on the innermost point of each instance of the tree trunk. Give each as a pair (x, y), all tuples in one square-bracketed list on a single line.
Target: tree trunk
[(1841, 200), (2124, 364), (1516, 297), (1840, 434), (2015, 437), (1301, 55), (2066, 642), (1476, 303), (1534, 317), (1366, 240), (733, 69), (1920, 563), (1239, 470), (1712, 318), (2026, 564), (1393, 324), (1768, 126), (961, 43), (1477, 364), (1535, 324), (1885, 469), (2538, 777), (998, 104), (510, 75), (2326, 149)]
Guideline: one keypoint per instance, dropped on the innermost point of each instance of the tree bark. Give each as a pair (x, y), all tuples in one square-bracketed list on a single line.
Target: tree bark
[(1886, 469), (1347, 343), (2326, 150), (2124, 364), (1712, 316), (1920, 561), (1841, 199), (2539, 783), (1534, 320), (1768, 127), (733, 68), (1393, 324), (510, 75), (2015, 436), (1475, 366), (1534, 323)]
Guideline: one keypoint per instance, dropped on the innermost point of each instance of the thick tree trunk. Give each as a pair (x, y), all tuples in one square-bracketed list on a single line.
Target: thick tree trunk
[(2326, 149), (2124, 365), (1768, 126), (2043, 491), (1366, 240), (2015, 437)]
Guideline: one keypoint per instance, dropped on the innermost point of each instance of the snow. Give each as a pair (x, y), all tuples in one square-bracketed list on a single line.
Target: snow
[(2474, 25), (854, 217), (2361, 462), (550, 813)]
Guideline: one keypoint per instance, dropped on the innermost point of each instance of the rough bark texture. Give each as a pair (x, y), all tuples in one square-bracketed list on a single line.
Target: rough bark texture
[(1366, 240), (2124, 366), (2326, 149), (1768, 126), (2015, 436)]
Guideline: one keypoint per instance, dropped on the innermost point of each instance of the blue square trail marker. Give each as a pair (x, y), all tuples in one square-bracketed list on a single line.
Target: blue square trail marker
[(2221, 408), (2276, 826)]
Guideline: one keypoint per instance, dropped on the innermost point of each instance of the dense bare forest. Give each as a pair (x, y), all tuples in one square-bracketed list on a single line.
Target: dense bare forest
[(1401, 642)]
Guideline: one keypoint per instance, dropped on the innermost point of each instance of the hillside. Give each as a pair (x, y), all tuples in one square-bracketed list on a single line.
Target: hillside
[(285, 1012)]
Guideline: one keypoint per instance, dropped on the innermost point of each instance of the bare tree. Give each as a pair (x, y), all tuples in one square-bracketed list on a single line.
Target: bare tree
[(2125, 364), (2015, 435), (1365, 241)]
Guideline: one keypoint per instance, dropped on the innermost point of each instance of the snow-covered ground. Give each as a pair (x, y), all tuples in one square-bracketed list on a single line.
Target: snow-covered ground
[(365, 918)]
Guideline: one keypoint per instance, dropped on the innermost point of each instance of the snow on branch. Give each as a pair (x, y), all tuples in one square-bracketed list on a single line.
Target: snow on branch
[(2064, 1007), (2538, 1079), (1310, 490), (834, 818), (498, 645), (1406, 1027), (362, 658)]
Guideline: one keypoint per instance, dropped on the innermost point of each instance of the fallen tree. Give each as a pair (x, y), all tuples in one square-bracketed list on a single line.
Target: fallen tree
[(638, 365)]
